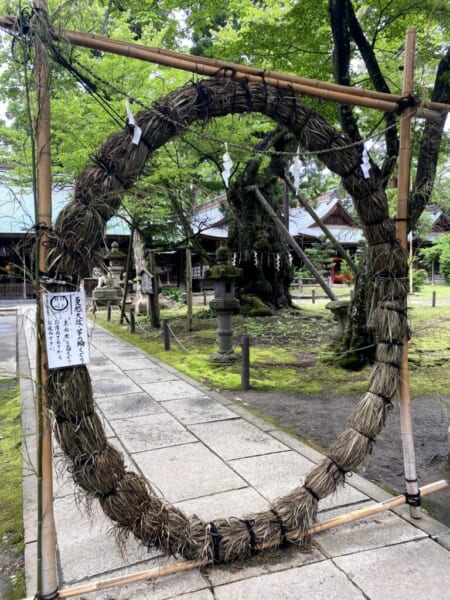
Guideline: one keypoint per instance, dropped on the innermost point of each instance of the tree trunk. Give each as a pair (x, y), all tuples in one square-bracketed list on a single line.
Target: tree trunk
[(253, 237), (357, 346)]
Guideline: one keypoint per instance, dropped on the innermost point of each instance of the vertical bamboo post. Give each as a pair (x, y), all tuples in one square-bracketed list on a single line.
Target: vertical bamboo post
[(402, 230), (47, 575), (189, 288)]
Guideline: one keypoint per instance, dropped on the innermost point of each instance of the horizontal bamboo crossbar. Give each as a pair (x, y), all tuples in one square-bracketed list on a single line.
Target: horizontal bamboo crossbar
[(293, 537), (210, 67)]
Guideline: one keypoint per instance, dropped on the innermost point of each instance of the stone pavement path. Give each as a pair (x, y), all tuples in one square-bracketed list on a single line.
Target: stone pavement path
[(211, 457)]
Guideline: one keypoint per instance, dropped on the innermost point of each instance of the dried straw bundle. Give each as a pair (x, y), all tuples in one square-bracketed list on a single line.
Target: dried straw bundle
[(96, 466)]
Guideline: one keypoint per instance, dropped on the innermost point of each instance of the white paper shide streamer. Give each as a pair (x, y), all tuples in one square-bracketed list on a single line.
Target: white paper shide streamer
[(365, 164), (137, 131), (227, 165), (296, 170)]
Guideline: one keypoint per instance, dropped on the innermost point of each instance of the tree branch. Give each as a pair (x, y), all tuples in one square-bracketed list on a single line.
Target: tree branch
[(429, 148), (341, 62), (379, 83)]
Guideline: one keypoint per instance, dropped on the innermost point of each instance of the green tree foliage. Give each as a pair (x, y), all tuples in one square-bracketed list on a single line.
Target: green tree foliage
[(438, 254)]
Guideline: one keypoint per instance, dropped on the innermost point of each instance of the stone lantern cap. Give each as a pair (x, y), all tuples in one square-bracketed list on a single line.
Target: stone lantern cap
[(223, 269)]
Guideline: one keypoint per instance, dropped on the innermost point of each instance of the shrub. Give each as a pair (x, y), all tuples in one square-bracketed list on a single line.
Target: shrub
[(420, 277)]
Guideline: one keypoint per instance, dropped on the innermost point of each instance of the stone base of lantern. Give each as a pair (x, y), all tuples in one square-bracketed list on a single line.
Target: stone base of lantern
[(225, 358)]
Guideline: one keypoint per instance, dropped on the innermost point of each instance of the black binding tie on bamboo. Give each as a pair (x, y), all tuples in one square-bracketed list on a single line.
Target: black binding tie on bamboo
[(404, 103), (51, 596), (284, 541), (249, 524), (312, 493), (415, 498), (216, 539)]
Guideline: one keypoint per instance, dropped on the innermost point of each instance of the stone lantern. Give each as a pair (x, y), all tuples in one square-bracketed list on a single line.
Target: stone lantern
[(224, 303), (109, 290)]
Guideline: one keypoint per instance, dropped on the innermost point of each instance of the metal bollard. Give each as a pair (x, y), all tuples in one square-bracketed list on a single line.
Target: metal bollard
[(166, 332), (433, 299), (108, 311), (313, 296), (132, 320), (245, 362)]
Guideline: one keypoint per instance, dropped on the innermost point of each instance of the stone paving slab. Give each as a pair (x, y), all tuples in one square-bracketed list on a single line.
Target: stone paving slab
[(189, 585), (198, 410), (162, 391), (232, 503), (124, 406), (373, 532), (273, 475), (236, 439), (186, 472), (85, 544), (148, 432), (130, 364), (104, 371), (151, 375), (115, 387), (273, 561), (416, 569), (320, 581)]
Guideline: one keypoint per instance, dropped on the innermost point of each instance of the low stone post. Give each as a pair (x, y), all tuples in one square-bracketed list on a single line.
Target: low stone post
[(224, 304)]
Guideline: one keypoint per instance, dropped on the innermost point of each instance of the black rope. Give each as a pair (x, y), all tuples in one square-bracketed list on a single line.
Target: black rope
[(284, 540), (202, 101), (371, 439), (388, 363), (216, 539), (248, 94), (386, 399), (249, 524), (378, 222), (312, 492), (343, 472), (391, 243)]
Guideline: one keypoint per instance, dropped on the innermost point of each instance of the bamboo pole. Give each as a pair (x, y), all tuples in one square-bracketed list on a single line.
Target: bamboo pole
[(339, 248), (292, 537), (127, 277), (406, 425), (47, 575), (211, 66), (290, 240)]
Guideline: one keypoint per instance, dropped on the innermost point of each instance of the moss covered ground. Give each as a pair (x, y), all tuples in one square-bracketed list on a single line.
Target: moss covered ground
[(286, 349), (11, 525)]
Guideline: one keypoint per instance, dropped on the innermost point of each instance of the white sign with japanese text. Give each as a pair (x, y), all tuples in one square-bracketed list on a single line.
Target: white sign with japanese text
[(65, 329)]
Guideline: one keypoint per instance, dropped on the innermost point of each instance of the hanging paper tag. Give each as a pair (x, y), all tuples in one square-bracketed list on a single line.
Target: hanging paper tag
[(65, 329), (137, 131)]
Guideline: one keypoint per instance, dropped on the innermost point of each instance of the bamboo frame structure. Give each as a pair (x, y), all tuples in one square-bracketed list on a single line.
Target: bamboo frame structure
[(208, 66), (406, 425), (303, 86), (179, 567)]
